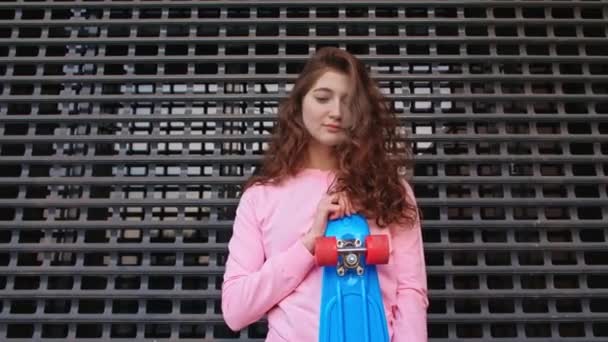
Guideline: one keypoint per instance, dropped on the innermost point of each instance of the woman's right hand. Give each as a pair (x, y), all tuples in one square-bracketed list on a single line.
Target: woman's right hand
[(331, 206)]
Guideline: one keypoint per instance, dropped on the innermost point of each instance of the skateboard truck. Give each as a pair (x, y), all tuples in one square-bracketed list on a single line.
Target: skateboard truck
[(327, 250), (351, 251)]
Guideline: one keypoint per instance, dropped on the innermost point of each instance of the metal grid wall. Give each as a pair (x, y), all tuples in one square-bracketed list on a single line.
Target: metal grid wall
[(126, 129)]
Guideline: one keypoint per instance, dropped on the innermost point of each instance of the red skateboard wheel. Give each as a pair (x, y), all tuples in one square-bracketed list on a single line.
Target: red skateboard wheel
[(377, 251), (326, 251)]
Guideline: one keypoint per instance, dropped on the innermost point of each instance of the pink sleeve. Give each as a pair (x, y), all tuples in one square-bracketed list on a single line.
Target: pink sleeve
[(253, 284), (412, 301)]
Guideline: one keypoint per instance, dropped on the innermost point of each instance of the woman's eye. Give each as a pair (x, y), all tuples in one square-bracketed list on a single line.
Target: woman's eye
[(322, 99)]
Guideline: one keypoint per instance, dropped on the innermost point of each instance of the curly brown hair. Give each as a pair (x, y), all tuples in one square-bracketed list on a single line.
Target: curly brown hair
[(371, 161)]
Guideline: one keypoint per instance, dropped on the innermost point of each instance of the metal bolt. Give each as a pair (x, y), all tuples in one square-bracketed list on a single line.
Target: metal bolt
[(359, 270), (351, 259)]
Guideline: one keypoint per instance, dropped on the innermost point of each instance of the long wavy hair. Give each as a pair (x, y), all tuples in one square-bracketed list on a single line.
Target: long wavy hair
[(371, 161)]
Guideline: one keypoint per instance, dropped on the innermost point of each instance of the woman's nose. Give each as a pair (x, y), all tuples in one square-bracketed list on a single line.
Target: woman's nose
[(336, 112)]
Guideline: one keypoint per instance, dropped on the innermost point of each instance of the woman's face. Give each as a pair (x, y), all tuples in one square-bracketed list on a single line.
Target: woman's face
[(324, 109)]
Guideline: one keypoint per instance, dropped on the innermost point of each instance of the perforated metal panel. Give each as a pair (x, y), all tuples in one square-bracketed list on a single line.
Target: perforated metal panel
[(127, 129)]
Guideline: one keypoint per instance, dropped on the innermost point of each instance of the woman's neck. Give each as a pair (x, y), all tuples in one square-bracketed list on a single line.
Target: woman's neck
[(321, 158)]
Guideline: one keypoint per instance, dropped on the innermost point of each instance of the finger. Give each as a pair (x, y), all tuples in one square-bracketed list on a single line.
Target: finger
[(338, 210), (334, 198), (333, 209), (346, 204), (349, 208), (343, 205)]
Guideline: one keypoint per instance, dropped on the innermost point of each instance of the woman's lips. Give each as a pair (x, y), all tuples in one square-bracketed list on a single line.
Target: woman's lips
[(333, 128)]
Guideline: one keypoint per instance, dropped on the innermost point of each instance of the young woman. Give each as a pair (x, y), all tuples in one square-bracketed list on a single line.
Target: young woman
[(336, 151)]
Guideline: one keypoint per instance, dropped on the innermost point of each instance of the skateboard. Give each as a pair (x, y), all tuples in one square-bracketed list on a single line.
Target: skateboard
[(351, 302)]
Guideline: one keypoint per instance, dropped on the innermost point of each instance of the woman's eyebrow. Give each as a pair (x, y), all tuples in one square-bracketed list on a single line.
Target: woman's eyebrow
[(326, 89)]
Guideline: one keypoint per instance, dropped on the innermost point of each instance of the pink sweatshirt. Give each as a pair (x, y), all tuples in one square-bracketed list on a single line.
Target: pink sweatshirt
[(269, 271)]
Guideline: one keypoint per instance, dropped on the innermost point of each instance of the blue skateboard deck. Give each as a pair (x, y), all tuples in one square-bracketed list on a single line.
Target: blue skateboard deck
[(351, 302)]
